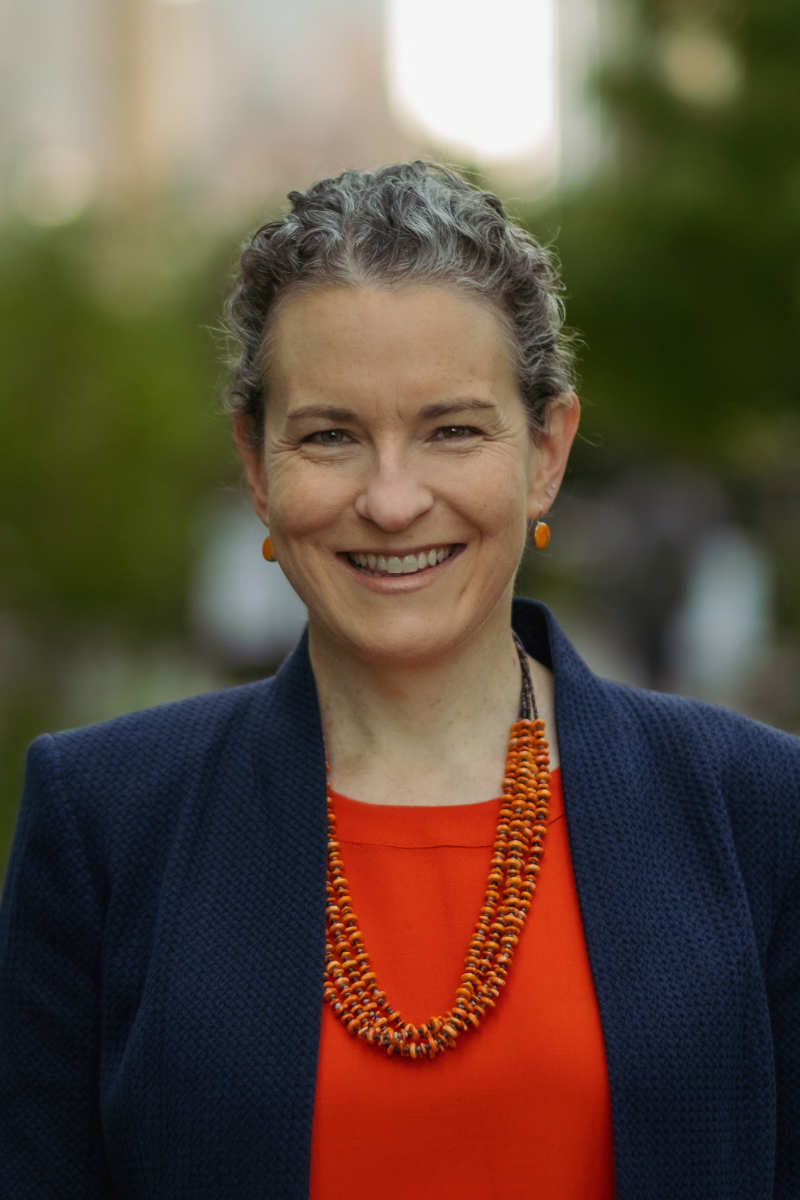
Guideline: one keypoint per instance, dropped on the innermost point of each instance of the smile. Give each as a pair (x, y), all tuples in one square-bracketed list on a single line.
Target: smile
[(406, 564)]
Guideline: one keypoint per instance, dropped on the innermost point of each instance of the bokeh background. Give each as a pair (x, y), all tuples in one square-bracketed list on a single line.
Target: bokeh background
[(655, 143)]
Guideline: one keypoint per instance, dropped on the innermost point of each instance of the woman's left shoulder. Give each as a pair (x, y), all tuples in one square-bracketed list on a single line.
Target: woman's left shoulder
[(710, 731), (715, 756), (724, 771)]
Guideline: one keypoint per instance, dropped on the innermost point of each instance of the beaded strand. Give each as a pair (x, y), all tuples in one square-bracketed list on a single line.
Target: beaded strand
[(350, 985)]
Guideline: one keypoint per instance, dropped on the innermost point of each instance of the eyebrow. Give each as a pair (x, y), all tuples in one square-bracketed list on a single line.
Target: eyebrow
[(429, 412), (322, 411)]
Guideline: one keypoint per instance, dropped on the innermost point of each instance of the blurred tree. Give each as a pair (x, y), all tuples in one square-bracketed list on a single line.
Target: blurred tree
[(109, 431), (111, 448), (685, 253), (682, 260)]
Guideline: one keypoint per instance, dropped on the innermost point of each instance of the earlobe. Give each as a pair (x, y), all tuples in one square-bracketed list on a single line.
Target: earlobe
[(252, 460)]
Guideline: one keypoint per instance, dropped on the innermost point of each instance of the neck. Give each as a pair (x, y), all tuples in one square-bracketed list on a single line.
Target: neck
[(400, 733)]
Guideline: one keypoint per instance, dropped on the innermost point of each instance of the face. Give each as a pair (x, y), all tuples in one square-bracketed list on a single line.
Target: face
[(398, 473)]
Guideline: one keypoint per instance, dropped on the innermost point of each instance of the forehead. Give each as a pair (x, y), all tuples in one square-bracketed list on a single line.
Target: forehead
[(393, 343)]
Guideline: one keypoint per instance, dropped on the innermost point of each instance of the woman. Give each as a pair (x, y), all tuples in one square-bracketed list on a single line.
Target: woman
[(211, 988)]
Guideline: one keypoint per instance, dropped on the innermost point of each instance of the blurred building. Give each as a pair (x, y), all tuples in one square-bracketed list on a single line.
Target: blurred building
[(588, 31), (128, 101)]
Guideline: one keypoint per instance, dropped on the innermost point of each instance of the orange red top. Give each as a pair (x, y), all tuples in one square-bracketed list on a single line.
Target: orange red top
[(520, 1107)]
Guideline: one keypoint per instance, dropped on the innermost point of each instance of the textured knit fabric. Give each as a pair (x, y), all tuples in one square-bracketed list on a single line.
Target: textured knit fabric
[(162, 942), (525, 1098)]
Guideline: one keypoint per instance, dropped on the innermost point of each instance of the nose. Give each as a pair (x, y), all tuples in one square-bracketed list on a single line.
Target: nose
[(393, 495)]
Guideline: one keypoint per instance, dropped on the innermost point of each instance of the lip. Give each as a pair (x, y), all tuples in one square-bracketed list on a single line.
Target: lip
[(402, 551), (402, 583)]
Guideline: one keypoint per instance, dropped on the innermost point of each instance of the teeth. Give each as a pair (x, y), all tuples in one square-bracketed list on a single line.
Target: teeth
[(408, 565)]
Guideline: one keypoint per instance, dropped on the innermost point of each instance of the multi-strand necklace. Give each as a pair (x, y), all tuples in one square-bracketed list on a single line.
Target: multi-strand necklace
[(351, 987)]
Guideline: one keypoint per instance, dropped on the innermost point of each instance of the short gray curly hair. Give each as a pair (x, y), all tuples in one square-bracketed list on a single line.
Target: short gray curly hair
[(416, 222)]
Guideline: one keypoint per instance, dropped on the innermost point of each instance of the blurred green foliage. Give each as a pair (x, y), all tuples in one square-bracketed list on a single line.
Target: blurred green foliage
[(682, 258), (682, 261), (109, 427), (112, 443)]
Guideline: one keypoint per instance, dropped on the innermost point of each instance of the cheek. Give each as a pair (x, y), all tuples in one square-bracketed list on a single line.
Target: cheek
[(499, 499), (301, 501)]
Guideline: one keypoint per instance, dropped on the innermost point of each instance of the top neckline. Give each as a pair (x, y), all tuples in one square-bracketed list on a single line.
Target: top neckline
[(426, 825)]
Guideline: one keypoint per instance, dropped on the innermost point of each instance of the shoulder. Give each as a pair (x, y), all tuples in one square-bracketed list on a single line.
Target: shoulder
[(154, 743), (715, 759), (715, 738), (668, 726), (659, 725), (129, 778), (163, 732), (690, 778), (672, 720)]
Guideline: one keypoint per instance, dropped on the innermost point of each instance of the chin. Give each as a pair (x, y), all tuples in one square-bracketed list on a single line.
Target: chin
[(407, 650), (406, 643), (409, 642)]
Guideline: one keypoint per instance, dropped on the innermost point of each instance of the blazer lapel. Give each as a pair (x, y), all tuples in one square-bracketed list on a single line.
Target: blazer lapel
[(289, 767), (244, 954), (661, 903), (666, 924)]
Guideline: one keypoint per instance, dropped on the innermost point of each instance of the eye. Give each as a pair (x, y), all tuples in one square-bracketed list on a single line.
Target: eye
[(328, 437), (454, 433)]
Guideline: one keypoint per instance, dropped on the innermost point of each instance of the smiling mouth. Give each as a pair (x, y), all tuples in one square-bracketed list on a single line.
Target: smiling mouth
[(405, 564)]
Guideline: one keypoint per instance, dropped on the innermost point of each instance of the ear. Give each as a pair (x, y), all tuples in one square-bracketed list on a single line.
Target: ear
[(252, 457), (550, 453)]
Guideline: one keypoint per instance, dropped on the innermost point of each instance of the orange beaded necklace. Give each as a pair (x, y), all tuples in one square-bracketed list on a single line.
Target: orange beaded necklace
[(351, 987)]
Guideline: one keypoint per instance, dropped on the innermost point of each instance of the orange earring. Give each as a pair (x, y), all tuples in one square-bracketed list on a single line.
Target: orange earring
[(266, 549), (541, 535)]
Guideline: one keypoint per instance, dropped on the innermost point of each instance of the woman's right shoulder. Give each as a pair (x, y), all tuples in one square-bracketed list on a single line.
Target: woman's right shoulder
[(170, 727), (132, 775), (163, 732)]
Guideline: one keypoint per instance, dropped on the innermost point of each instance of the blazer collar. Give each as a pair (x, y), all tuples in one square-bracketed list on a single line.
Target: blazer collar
[(638, 888), (291, 713), (666, 922)]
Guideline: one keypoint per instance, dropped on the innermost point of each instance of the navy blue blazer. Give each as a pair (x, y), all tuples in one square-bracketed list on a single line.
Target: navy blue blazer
[(162, 942)]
